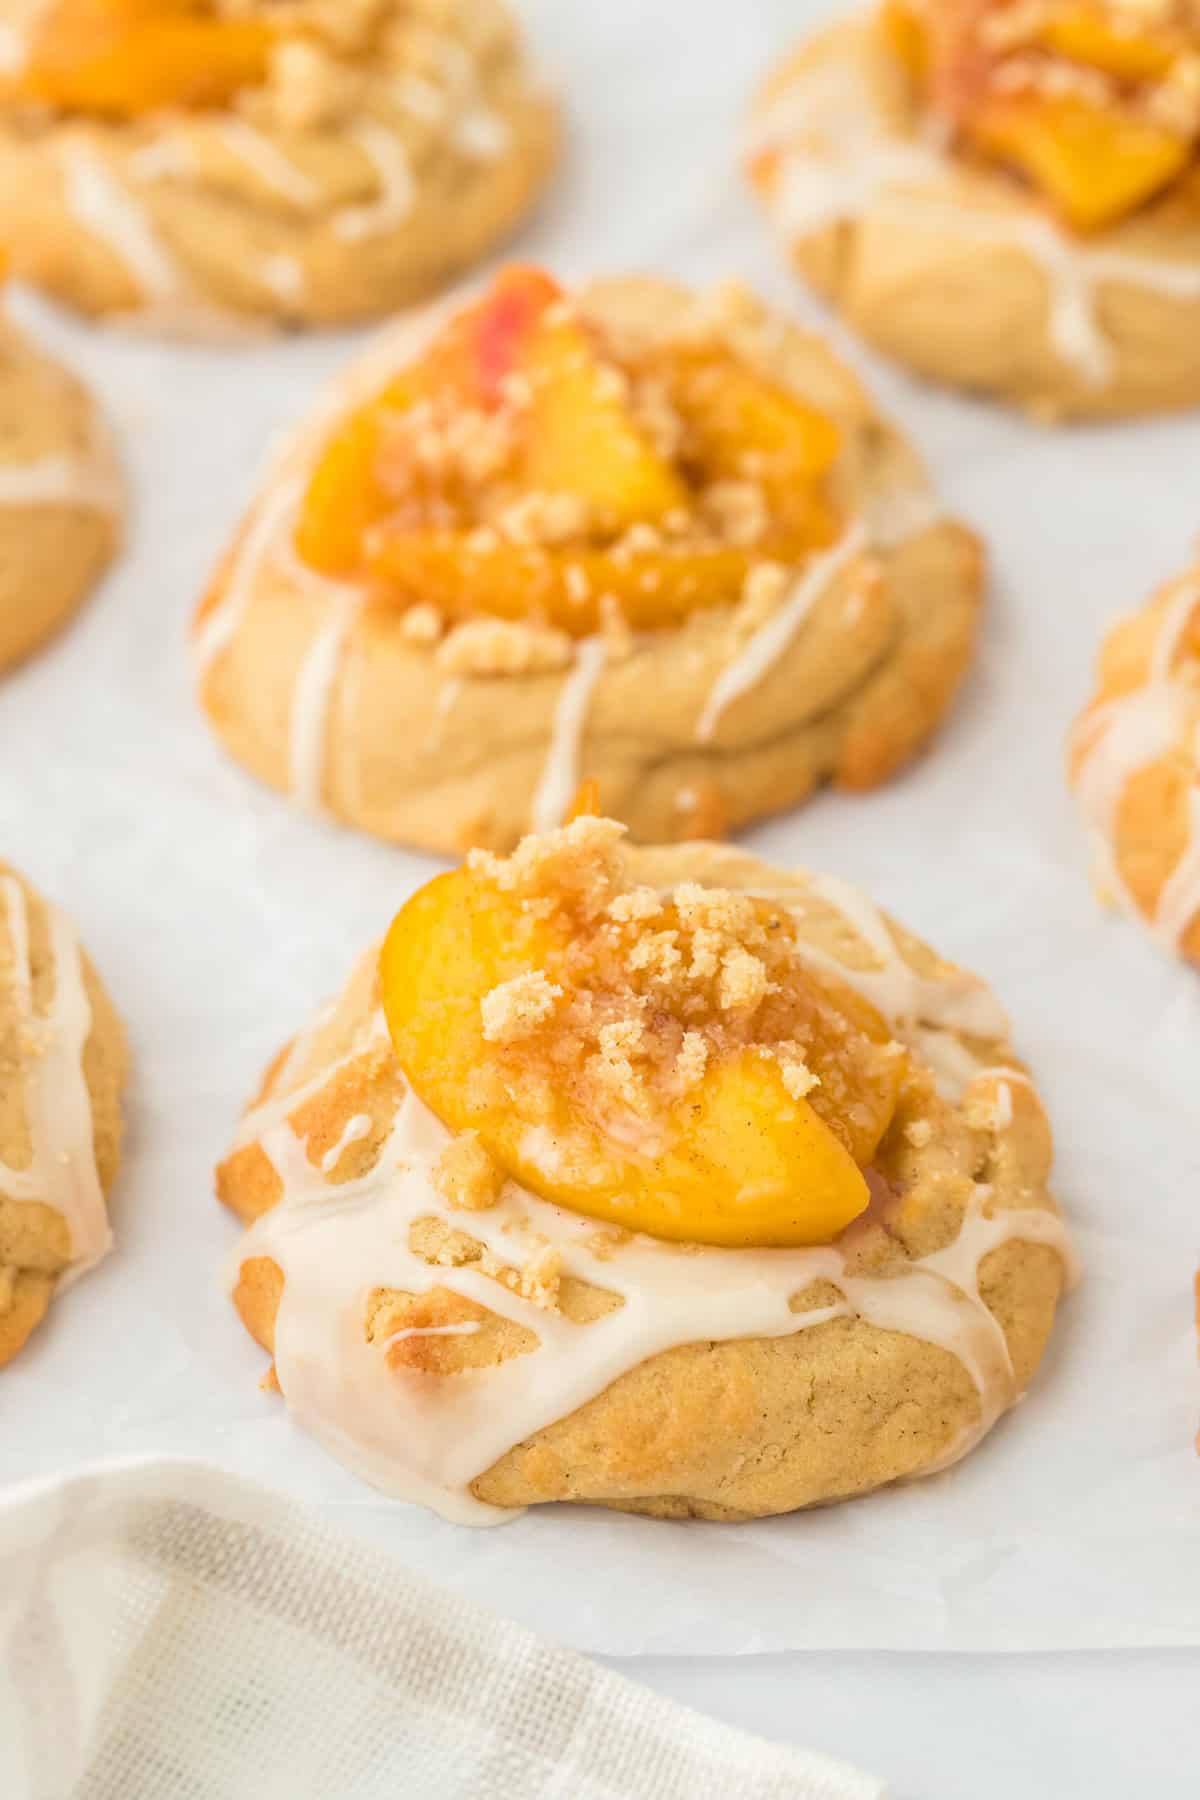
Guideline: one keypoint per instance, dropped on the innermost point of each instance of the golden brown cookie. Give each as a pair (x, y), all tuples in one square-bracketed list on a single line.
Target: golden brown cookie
[(1135, 766), (60, 496), (325, 161), (658, 540), (766, 1068), (918, 216), (62, 1068)]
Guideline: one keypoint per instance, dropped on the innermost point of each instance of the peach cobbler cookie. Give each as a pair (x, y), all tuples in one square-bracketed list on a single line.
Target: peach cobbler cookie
[(192, 163), (60, 495), (1135, 766), (1004, 194), (655, 1178), (62, 1068), (627, 534)]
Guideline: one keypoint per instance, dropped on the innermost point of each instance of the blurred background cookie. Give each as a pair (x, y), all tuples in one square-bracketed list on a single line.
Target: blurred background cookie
[(62, 1068), (1004, 196), (185, 163), (61, 495)]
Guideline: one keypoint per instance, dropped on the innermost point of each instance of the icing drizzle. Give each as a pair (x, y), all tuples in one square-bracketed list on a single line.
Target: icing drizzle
[(1124, 735), (62, 1170), (425, 1439), (839, 160)]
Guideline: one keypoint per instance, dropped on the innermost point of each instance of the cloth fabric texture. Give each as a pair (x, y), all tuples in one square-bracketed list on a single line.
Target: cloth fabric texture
[(170, 1630)]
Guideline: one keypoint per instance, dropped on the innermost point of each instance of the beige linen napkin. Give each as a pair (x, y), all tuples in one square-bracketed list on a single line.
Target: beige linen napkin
[(170, 1630)]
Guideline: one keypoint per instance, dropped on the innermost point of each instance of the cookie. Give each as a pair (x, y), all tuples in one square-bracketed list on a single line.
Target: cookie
[(1135, 766), (469, 1199), (661, 541), (196, 173), (62, 1069), (938, 200), (60, 496)]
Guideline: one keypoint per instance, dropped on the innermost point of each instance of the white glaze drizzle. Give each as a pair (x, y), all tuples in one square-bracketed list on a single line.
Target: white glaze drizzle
[(764, 648), (62, 1172), (167, 300), (425, 1439), (274, 514), (63, 478), (849, 162), (397, 192), (312, 696), (1125, 735), (108, 210), (277, 172), (560, 772), (355, 1129)]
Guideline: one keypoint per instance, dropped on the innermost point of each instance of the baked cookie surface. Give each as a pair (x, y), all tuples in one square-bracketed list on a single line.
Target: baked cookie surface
[(1135, 766), (996, 236), (660, 540), (60, 496), (189, 168), (882, 1260), (62, 1069)]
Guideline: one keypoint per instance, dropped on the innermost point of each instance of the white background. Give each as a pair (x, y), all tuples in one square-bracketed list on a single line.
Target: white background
[(219, 916)]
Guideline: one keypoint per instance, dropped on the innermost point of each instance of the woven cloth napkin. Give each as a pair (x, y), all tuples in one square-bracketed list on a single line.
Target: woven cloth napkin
[(170, 1630)]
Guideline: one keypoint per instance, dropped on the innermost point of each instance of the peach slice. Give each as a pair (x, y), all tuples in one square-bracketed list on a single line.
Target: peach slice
[(906, 38), (466, 365), (1094, 165), (742, 425), (121, 58), (567, 588), (1085, 34), (738, 1161), (483, 346), (580, 436)]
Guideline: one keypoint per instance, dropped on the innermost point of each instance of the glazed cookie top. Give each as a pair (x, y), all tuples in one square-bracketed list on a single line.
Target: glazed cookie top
[(592, 1103), (1095, 104), (1135, 764)]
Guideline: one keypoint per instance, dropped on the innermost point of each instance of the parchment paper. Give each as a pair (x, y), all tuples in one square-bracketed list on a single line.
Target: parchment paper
[(220, 917)]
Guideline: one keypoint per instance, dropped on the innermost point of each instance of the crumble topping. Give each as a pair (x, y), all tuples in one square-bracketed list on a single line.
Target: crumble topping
[(498, 647), (466, 1175), (636, 993)]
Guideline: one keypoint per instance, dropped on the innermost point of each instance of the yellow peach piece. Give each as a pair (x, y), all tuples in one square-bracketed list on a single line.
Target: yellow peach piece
[(739, 1161), (906, 38), (121, 58), (1094, 165), (581, 438), (464, 576), (1086, 34)]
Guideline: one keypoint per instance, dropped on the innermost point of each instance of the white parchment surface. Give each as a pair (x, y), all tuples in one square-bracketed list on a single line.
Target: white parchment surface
[(220, 916)]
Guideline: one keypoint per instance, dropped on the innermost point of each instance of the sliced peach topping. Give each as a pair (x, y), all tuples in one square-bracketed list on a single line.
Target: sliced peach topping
[(580, 438), (661, 1063), (568, 589), (1095, 165), (1089, 35), (122, 58), (1097, 109), (511, 472)]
